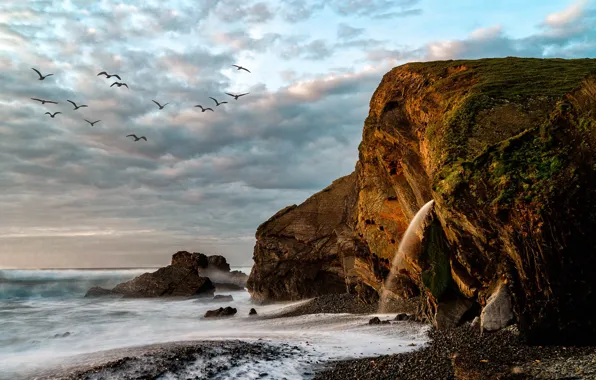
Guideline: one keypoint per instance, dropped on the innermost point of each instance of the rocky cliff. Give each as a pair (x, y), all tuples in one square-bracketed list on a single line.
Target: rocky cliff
[(506, 149)]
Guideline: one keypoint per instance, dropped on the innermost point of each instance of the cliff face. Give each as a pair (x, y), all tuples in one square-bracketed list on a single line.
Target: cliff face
[(505, 148)]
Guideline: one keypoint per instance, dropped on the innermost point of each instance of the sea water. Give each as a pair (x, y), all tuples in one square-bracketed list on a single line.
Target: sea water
[(46, 322)]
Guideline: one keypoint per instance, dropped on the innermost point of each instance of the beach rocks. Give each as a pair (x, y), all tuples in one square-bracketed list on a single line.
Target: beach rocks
[(252, 312), (223, 298), (221, 312)]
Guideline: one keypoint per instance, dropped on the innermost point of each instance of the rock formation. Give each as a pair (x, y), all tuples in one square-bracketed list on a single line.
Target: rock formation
[(188, 275), (505, 147), (310, 250), (215, 267)]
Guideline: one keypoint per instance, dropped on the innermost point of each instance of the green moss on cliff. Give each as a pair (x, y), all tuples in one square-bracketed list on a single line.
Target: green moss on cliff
[(437, 276), (471, 86)]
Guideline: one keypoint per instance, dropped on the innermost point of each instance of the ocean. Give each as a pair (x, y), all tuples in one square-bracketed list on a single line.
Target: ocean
[(46, 323)]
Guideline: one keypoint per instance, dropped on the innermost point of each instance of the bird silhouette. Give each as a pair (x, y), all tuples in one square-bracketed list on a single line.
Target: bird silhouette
[(74, 104), (92, 123), (119, 84), (108, 76), (55, 113), (41, 77), (137, 138), (44, 101), (159, 105), (204, 109), (237, 96), (241, 68), (216, 102)]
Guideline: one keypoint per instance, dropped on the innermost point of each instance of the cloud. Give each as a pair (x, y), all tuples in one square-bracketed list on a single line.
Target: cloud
[(301, 10), (569, 33), (347, 32)]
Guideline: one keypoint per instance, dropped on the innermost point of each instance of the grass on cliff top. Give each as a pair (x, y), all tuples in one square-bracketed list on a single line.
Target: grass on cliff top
[(470, 86), (512, 78)]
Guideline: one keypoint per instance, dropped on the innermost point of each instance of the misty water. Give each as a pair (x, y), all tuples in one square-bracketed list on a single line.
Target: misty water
[(45, 323)]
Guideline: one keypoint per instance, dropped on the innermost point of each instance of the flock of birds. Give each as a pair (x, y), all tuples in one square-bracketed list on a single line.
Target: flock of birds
[(120, 84)]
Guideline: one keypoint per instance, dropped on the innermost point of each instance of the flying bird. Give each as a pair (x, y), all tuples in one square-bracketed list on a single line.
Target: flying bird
[(97, 121), (108, 76), (55, 113), (159, 105), (41, 77), (44, 101), (216, 102), (137, 138), (204, 109), (74, 104), (241, 68), (119, 84), (237, 96)]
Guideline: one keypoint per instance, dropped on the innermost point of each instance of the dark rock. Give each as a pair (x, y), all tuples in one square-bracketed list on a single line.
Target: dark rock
[(223, 298), (170, 281), (193, 260), (98, 291), (218, 262), (252, 312), (221, 312), (374, 321), (402, 317), (449, 314)]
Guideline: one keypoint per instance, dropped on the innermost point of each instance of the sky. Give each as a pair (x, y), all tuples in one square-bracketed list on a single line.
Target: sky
[(73, 195)]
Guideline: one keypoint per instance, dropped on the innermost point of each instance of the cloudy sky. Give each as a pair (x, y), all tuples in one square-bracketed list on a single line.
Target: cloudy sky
[(72, 195)]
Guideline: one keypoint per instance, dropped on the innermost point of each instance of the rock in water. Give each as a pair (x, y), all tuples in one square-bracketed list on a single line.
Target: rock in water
[(221, 312), (170, 281), (252, 312), (374, 321), (223, 298), (505, 147)]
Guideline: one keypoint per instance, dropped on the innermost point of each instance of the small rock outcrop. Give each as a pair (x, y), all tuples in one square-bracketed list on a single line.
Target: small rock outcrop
[(221, 312), (170, 281), (252, 312), (215, 267)]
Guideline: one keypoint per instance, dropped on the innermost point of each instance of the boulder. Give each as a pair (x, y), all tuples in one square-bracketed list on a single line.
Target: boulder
[(498, 312), (223, 298), (252, 312), (449, 314), (221, 312), (402, 317), (170, 281)]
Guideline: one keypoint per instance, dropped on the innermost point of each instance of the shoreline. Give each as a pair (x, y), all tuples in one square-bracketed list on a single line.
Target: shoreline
[(463, 353)]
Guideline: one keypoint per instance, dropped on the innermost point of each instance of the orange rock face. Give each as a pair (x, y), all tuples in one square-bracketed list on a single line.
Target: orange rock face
[(505, 148)]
